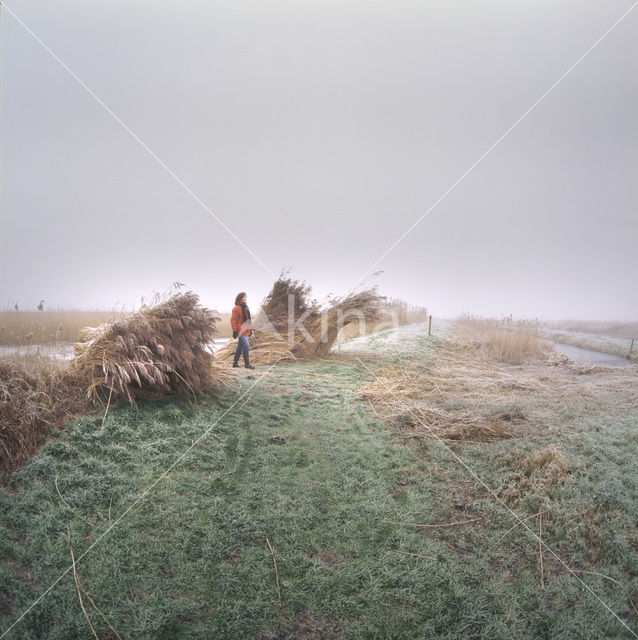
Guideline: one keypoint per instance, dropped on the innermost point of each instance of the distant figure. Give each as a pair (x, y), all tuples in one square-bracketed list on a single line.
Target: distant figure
[(241, 324)]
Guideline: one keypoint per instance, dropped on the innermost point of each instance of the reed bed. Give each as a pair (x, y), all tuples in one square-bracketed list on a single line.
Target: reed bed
[(314, 328), (60, 326), (504, 340), (158, 350), (20, 327)]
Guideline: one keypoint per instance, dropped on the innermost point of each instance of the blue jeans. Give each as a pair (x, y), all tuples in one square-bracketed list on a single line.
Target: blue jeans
[(242, 345)]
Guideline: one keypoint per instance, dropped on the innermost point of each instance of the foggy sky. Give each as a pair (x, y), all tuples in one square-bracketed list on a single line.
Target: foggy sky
[(318, 132)]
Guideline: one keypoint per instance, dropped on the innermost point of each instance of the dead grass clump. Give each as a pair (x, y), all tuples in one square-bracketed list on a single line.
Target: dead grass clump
[(290, 325), (539, 472), (507, 413), (560, 360), (550, 459), (435, 423), (37, 394), (506, 340), (160, 349)]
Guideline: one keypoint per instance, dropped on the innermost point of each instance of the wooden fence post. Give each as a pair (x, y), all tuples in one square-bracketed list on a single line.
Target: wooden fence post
[(430, 327)]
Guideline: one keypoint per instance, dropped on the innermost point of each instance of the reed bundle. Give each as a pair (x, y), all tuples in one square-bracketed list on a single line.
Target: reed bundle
[(160, 349), (292, 326)]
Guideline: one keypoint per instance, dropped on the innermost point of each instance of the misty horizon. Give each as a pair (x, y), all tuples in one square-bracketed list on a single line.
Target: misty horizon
[(257, 137)]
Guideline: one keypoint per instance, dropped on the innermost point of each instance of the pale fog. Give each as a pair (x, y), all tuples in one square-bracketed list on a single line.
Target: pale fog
[(217, 143)]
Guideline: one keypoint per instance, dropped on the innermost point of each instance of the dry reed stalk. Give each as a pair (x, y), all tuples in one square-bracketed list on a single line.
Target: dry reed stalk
[(602, 575), (281, 604), (161, 349), (108, 404), (77, 586), (540, 547), (66, 504), (434, 526), (88, 595)]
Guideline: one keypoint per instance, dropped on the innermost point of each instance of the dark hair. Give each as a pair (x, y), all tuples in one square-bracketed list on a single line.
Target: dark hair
[(239, 296)]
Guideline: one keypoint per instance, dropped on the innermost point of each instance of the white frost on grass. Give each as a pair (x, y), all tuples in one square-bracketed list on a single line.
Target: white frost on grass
[(394, 339)]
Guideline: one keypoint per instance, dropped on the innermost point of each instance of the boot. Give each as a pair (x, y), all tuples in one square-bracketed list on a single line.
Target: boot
[(236, 360), (247, 361)]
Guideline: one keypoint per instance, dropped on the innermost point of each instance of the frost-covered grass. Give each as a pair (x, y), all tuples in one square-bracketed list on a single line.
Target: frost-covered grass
[(305, 462)]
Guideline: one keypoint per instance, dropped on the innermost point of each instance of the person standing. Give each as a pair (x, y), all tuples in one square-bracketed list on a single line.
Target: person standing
[(241, 323)]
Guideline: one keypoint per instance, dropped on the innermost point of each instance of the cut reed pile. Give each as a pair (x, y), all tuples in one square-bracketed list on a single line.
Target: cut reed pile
[(443, 404), (161, 349), (290, 325)]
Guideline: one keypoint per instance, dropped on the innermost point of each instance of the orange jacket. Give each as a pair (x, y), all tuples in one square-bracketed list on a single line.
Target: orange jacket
[(237, 322)]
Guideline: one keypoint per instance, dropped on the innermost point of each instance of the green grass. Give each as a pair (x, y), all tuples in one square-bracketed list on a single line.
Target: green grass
[(306, 464)]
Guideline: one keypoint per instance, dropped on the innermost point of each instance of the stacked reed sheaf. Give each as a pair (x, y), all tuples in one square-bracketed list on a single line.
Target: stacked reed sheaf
[(291, 326), (161, 349)]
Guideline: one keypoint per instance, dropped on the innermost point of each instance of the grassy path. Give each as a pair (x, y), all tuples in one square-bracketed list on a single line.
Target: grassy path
[(303, 462)]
